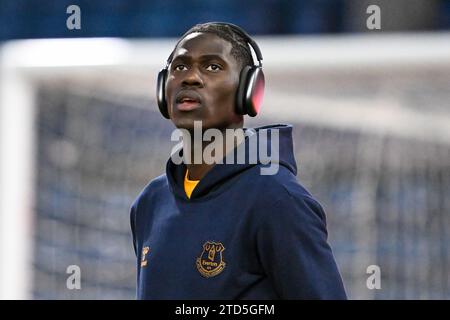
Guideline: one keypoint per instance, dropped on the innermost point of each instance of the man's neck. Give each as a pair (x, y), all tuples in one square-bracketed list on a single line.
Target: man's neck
[(198, 170)]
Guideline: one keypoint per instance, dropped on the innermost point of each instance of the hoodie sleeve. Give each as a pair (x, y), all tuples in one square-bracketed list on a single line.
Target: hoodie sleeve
[(293, 249)]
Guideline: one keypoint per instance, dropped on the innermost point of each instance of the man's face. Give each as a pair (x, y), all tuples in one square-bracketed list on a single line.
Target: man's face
[(202, 83)]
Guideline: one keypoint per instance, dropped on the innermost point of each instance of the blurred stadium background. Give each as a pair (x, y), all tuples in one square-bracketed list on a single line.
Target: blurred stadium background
[(80, 134)]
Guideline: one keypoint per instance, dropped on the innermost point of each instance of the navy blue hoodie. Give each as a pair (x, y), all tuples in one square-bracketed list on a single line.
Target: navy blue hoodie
[(241, 235)]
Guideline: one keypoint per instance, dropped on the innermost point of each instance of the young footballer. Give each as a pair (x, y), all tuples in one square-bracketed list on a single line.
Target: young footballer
[(239, 229)]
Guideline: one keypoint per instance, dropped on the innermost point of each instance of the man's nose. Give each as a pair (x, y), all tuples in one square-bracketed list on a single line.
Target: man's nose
[(192, 78)]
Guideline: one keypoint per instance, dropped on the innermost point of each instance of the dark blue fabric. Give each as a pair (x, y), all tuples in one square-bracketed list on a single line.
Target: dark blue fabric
[(273, 231)]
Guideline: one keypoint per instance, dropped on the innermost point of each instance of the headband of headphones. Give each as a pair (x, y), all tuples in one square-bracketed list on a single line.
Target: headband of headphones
[(238, 30)]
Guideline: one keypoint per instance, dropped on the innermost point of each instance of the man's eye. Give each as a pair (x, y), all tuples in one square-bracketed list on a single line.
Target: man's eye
[(214, 67), (179, 67)]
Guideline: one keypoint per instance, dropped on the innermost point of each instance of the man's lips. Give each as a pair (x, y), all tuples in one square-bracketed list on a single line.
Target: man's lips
[(187, 100), (188, 105)]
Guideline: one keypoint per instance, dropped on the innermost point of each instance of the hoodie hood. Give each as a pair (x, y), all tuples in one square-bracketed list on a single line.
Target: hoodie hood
[(221, 172)]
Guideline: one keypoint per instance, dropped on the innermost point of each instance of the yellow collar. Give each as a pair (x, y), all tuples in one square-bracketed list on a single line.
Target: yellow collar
[(189, 185)]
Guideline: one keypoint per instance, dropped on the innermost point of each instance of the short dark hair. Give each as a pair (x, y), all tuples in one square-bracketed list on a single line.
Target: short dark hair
[(240, 49)]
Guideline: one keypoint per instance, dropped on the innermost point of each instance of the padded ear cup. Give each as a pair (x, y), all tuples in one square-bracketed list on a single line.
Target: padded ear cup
[(241, 92), (251, 90), (254, 91), (161, 93)]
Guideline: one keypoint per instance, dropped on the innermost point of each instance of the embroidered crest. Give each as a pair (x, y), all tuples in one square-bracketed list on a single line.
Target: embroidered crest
[(210, 263)]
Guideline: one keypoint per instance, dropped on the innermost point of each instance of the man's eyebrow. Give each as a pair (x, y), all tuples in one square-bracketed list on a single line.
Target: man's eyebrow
[(202, 57)]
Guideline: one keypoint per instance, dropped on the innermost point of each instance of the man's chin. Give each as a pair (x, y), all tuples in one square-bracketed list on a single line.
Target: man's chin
[(190, 124)]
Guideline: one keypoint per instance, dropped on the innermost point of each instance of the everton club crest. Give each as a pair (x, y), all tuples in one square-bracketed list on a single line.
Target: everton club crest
[(210, 263)]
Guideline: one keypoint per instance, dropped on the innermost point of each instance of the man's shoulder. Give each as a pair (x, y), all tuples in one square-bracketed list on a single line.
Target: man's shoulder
[(152, 189), (283, 187), (281, 184), (156, 184), (284, 198)]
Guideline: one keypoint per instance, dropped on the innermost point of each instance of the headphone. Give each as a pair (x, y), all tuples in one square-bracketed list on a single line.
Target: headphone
[(251, 81)]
